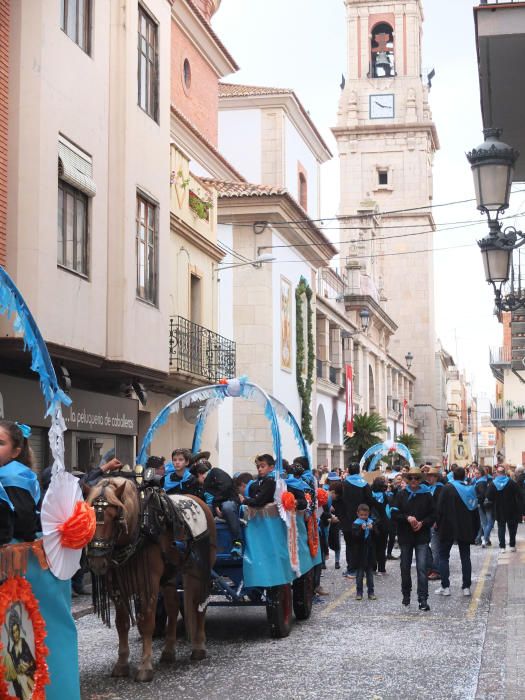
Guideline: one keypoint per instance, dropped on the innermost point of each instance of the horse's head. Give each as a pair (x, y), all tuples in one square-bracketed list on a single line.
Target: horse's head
[(115, 504)]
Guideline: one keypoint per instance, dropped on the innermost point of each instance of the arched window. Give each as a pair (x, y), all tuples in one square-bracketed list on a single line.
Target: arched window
[(382, 51), (303, 191), (321, 425)]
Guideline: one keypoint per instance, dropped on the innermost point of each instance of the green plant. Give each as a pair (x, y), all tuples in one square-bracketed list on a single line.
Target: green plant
[(201, 207), (367, 432), (413, 443), (304, 385), (184, 182)]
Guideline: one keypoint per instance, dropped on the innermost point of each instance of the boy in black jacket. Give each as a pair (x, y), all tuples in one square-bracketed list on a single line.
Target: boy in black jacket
[(363, 551), (262, 490)]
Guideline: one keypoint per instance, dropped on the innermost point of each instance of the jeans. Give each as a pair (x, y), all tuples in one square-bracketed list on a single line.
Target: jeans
[(487, 523), (434, 550), (466, 566), (513, 528), (230, 513), (407, 551), (369, 572)]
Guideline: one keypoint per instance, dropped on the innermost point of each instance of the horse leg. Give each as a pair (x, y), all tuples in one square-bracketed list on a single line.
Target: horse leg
[(194, 619), (122, 622), (146, 624), (171, 601)]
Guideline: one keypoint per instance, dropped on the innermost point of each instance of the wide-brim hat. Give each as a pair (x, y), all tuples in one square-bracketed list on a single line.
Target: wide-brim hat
[(198, 456), (415, 471), (434, 472)]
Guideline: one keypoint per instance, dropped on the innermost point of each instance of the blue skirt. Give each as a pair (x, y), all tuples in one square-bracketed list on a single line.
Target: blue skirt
[(266, 559)]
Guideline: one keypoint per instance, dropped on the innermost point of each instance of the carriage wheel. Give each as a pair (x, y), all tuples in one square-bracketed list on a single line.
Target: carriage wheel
[(279, 610), (303, 594)]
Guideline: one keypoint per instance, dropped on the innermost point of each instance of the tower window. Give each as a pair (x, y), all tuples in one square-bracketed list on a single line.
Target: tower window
[(383, 177), (303, 189), (382, 51)]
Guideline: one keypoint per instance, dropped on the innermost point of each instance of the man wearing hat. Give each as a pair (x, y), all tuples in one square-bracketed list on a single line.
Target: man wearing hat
[(413, 511)]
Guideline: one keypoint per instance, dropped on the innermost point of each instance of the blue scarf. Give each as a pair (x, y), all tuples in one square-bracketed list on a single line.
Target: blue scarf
[(296, 483), (433, 488), (4, 497), (480, 480), (466, 493), (422, 489), (356, 480), (379, 496), (170, 485), (309, 478), (247, 488), (500, 482), (21, 477), (360, 521), (450, 477)]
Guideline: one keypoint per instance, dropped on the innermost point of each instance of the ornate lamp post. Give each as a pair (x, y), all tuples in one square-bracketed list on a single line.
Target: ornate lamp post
[(493, 168)]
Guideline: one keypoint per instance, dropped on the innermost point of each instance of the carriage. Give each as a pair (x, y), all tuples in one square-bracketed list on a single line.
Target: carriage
[(277, 568)]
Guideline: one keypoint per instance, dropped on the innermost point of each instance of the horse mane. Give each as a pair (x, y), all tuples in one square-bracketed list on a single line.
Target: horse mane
[(129, 502)]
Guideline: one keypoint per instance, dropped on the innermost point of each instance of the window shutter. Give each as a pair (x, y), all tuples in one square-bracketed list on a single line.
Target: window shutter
[(76, 168)]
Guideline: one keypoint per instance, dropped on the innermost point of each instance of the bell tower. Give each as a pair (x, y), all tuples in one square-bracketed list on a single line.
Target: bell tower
[(386, 142)]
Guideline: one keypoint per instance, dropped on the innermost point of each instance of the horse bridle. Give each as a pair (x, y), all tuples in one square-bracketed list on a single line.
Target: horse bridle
[(99, 547)]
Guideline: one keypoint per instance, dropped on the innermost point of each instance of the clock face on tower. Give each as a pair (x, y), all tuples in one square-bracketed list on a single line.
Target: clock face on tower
[(381, 106)]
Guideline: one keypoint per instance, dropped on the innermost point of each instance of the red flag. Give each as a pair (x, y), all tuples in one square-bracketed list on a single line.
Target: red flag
[(349, 400)]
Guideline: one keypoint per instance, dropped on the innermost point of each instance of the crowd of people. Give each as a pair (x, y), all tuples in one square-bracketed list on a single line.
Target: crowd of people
[(425, 512)]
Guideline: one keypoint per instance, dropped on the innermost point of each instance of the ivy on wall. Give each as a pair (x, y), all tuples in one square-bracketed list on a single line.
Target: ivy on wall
[(304, 383)]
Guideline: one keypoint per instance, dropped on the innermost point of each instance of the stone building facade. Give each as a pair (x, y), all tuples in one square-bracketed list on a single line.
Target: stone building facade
[(4, 118)]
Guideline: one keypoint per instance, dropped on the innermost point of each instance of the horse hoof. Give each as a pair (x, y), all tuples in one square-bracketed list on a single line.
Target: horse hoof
[(144, 676), (167, 657), (198, 654), (120, 671)]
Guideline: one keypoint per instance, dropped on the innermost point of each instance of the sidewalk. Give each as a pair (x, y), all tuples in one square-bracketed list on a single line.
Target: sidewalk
[(502, 671)]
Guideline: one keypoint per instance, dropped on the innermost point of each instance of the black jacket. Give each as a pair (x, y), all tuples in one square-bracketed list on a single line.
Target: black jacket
[(506, 503), (26, 522), (481, 493), (353, 496), (520, 481), (455, 522), (339, 510), (220, 485), (261, 492), (363, 549), (422, 508)]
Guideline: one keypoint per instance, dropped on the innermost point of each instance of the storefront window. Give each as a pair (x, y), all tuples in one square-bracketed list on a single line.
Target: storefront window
[(92, 450)]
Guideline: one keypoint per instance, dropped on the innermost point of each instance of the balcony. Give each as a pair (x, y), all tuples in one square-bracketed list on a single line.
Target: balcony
[(500, 33), (200, 353), (507, 415), (500, 359)]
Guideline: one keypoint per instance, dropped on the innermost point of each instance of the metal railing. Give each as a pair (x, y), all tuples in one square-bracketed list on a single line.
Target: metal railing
[(500, 356), (501, 2), (197, 350), (507, 412)]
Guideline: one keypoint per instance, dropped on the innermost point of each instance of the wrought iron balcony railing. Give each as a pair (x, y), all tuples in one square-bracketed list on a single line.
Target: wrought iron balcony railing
[(198, 351)]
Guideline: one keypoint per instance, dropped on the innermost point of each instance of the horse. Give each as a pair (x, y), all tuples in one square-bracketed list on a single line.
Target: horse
[(131, 564)]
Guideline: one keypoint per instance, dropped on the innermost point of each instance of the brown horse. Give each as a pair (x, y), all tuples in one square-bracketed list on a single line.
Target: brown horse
[(130, 568)]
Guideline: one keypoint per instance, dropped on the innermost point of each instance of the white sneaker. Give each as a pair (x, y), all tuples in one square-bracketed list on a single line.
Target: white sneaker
[(483, 543), (502, 549), (466, 592), (513, 549), (442, 591)]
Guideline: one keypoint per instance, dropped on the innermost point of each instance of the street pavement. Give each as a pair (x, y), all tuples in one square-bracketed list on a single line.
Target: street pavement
[(464, 648)]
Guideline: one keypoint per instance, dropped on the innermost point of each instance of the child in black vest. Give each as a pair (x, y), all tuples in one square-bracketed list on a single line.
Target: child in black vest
[(363, 551)]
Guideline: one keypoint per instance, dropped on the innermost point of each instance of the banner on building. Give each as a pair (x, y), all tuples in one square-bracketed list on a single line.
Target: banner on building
[(349, 384)]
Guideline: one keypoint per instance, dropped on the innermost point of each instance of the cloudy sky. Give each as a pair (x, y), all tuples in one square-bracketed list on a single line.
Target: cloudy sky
[(301, 44)]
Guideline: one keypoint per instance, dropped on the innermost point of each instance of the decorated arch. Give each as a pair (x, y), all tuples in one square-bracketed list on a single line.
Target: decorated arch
[(385, 449)]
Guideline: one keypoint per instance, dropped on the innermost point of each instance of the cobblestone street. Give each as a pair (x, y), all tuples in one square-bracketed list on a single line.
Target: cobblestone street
[(465, 648)]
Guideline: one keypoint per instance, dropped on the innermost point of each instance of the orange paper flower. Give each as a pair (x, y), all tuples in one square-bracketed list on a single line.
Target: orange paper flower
[(288, 501), (11, 591), (78, 530), (322, 497)]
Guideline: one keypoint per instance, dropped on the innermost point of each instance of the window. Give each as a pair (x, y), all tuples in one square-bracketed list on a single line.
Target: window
[(382, 50), (186, 74), (195, 299), (146, 239), (72, 228), (383, 177), (303, 191), (147, 64), (75, 21)]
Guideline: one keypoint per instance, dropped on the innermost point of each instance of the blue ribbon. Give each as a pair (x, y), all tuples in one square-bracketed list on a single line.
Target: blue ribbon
[(24, 429), (368, 521), (379, 496)]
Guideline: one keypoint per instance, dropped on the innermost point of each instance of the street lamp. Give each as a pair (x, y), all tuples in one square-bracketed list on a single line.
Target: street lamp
[(365, 321), (493, 169), (409, 358)]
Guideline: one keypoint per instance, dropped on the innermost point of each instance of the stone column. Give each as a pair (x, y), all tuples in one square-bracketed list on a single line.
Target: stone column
[(364, 380), (323, 343)]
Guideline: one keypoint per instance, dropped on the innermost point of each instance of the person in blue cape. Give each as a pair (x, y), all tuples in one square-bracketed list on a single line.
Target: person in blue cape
[(486, 516), (413, 510), (295, 484), (457, 521), (382, 514), (364, 532), (355, 491), (434, 482), (335, 490), (261, 491), (178, 478), (504, 497), (19, 489)]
